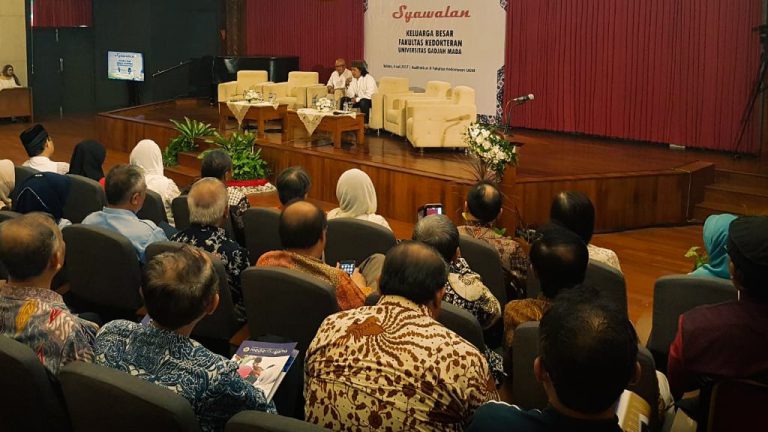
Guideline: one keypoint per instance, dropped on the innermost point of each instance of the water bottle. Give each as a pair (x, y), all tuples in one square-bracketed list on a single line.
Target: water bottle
[(314, 101), (272, 98)]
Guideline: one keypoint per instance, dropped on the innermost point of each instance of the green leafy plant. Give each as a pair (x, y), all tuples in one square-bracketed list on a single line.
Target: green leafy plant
[(189, 132), (247, 163), (699, 258)]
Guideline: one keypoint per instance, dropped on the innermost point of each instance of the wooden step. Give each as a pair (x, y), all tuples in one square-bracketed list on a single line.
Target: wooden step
[(182, 175), (754, 199), (707, 208), (190, 160), (737, 178)]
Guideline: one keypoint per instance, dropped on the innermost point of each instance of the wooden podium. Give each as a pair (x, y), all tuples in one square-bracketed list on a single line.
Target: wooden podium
[(16, 102)]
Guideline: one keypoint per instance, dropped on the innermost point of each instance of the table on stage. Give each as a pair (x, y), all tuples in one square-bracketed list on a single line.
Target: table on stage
[(260, 113), (16, 102), (335, 124)]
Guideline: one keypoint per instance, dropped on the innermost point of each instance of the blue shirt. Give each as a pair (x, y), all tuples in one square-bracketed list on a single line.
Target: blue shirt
[(208, 381), (140, 232), (502, 417)]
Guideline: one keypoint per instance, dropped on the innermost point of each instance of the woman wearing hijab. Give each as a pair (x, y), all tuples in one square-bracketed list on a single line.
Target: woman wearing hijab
[(44, 192), (357, 198), (7, 183), (147, 155), (715, 240), (87, 160)]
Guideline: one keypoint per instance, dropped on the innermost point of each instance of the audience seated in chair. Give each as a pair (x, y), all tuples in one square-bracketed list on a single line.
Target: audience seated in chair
[(208, 209), (715, 242), (559, 260), (587, 357), (87, 160), (357, 198), (431, 378), (32, 249), (292, 184), (7, 183), (303, 228), (574, 210), (218, 164), (728, 340), (45, 192), (179, 290), (482, 209), (126, 189), (39, 147), (147, 156)]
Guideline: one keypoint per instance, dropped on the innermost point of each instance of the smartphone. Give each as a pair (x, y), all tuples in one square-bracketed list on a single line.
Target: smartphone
[(430, 209), (348, 266)]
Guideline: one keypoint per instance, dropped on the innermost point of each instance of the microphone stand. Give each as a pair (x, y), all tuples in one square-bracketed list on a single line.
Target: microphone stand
[(164, 71)]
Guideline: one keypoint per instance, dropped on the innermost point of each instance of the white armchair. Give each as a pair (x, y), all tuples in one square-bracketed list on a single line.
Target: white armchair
[(389, 87), (395, 107), (246, 80), (441, 124), (294, 91)]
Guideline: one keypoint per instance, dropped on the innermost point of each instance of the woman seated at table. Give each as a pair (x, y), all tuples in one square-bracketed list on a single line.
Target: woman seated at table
[(360, 88), (8, 79)]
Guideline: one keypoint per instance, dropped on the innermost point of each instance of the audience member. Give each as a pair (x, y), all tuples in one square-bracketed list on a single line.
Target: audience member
[(45, 192), (574, 210), (392, 366), (88, 159), (218, 164), (715, 241), (559, 260), (587, 357), (292, 183), (339, 77), (360, 88), (303, 229), (8, 78), (179, 289), (32, 249), (126, 190), (357, 198), (40, 148), (728, 340), (148, 156), (7, 183), (481, 211), (208, 209)]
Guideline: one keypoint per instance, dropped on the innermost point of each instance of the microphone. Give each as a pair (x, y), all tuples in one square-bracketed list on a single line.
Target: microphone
[(523, 99)]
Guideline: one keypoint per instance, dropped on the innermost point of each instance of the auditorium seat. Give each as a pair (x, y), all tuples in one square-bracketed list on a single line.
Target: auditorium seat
[(484, 260), (388, 89), (257, 421), (355, 239), (246, 80), (261, 231), (102, 399), (441, 123), (294, 91), (153, 208), (85, 197), (30, 399), (737, 405), (180, 210), (395, 106), (22, 173)]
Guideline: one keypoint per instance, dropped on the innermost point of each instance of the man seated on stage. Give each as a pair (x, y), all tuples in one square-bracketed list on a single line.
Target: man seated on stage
[(32, 249), (126, 191), (339, 77), (303, 228), (39, 147), (392, 366), (481, 211), (292, 183), (360, 88), (208, 209)]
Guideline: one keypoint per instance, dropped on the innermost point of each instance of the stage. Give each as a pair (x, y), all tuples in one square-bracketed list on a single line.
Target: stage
[(632, 184)]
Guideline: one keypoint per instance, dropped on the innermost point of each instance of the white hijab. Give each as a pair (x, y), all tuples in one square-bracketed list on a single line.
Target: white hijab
[(148, 157), (357, 198), (7, 182)]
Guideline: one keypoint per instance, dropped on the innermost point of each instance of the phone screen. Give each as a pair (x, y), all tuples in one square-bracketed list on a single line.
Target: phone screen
[(348, 266), (434, 210)]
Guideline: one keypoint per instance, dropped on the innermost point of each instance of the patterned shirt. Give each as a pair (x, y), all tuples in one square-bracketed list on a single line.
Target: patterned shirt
[(348, 294), (208, 381), (39, 318), (235, 258), (520, 311), (514, 259), (238, 204), (393, 367), (603, 255)]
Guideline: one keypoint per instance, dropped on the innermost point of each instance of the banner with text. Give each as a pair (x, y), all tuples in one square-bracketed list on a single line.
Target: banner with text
[(458, 41)]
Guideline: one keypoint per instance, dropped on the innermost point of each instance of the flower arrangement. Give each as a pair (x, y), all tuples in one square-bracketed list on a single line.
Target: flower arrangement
[(491, 150), (324, 105), (253, 96)]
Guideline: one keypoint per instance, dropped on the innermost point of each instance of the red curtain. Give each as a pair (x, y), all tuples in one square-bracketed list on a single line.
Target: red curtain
[(62, 13), (668, 71), (318, 31)]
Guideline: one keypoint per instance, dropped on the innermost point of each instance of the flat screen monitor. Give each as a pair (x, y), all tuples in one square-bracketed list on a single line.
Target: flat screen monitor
[(127, 66)]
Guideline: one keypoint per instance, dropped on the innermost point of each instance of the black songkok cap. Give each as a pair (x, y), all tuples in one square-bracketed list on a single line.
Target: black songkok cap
[(748, 242), (34, 139)]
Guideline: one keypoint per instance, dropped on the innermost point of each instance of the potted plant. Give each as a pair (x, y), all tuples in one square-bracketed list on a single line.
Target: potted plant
[(249, 170), (189, 132), (491, 152)]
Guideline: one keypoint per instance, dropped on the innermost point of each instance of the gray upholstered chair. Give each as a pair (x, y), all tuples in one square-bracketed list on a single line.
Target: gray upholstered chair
[(102, 399), (222, 324), (673, 296), (85, 197), (261, 231), (29, 400), (180, 210), (22, 173), (257, 421), (153, 208), (355, 239), (484, 260), (103, 270)]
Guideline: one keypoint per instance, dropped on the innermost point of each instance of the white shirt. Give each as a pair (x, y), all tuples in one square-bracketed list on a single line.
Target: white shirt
[(7, 83), (362, 88), (43, 164), (339, 81)]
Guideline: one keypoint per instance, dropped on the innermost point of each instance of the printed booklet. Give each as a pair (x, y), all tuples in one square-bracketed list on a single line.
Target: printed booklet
[(265, 364)]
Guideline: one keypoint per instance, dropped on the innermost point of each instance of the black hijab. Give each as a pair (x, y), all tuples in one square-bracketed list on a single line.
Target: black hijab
[(87, 160), (43, 192)]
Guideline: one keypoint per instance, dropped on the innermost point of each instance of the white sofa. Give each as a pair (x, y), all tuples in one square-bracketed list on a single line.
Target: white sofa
[(294, 91), (441, 123), (246, 80), (395, 107)]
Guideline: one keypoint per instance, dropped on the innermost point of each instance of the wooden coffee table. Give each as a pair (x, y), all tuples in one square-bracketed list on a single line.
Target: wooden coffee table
[(261, 114), (334, 124)]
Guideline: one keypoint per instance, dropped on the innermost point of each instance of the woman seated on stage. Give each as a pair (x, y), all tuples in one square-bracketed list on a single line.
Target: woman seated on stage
[(360, 88), (8, 79), (147, 156), (357, 198), (88, 159)]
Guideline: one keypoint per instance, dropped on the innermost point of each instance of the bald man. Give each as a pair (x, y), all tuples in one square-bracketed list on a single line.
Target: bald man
[(303, 227), (208, 210), (339, 77), (32, 249)]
